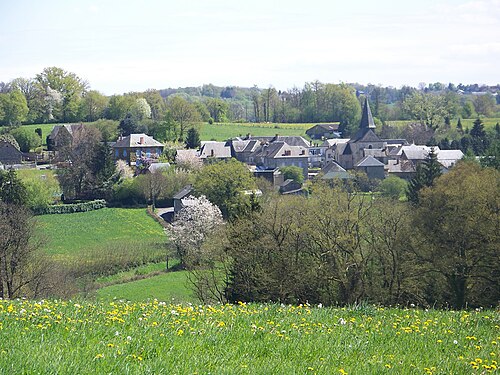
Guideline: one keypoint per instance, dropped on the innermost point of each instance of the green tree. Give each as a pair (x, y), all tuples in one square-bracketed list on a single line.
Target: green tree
[(193, 138), (425, 175), (14, 108), (224, 184), (119, 106), (26, 140), (484, 104), (458, 221), (34, 95), (183, 113), (393, 187), (68, 85), (479, 138), (292, 172), (218, 109), (12, 189), (92, 106)]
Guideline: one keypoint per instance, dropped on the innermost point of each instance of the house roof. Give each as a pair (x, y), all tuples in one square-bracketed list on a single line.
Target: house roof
[(158, 167), (325, 128), (215, 150), (290, 140), (134, 141), (369, 161), (332, 167), (417, 152), (280, 149), (400, 166), (184, 192), (335, 141), (447, 158), (71, 128)]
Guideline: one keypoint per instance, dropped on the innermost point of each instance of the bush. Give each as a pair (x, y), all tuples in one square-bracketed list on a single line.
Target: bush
[(71, 208)]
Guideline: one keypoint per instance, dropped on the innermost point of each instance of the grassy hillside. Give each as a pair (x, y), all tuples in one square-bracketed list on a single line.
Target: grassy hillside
[(221, 132), (489, 123), (169, 286), (77, 337), (107, 228)]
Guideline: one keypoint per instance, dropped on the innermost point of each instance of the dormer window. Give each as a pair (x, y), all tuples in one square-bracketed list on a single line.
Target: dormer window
[(287, 153)]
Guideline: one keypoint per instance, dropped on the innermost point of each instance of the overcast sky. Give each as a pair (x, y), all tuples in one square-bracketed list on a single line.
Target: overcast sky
[(130, 45)]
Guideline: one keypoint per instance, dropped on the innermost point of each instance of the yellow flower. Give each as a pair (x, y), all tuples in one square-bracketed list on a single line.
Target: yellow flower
[(342, 371)]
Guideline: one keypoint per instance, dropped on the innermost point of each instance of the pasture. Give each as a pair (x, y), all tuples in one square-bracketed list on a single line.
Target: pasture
[(224, 131), (153, 337)]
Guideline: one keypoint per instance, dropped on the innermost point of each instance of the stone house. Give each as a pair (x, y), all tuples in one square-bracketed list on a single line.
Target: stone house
[(137, 146)]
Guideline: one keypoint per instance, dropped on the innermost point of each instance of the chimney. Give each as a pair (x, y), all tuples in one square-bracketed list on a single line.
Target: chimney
[(141, 140)]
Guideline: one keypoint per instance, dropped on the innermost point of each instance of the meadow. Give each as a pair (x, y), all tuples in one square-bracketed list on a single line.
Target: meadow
[(224, 131), (489, 123), (83, 337)]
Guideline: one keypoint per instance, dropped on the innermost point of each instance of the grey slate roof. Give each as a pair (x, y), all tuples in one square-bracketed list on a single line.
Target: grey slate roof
[(369, 161), (184, 192), (134, 141), (366, 125), (215, 149), (290, 140)]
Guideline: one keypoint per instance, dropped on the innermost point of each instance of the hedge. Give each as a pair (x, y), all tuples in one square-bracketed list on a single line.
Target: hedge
[(71, 208)]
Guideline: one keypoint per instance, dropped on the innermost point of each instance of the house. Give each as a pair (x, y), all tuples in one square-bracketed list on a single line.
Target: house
[(62, 136), (334, 148), (448, 158), (273, 175), (280, 154), (135, 147), (9, 154), (179, 196), (372, 167), (324, 131), (215, 150)]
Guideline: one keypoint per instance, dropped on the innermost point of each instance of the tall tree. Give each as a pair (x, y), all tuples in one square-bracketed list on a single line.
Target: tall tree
[(13, 107), (425, 175), (193, 138), (68, 85), (458, 220), (183, 113)]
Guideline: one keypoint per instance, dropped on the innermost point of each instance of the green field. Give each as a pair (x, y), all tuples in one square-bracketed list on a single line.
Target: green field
[(83, 337), (68, 234), (167, 286), (222, 132)]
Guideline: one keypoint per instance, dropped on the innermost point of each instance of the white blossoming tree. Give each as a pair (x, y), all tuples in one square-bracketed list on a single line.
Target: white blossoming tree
[(191, 226)]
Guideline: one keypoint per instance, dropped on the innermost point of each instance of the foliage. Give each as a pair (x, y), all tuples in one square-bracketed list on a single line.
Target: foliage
[(193, 139), (292, 172), (427, 172), (224, 183), (42, 188), (27, 140), (13, 108), (20, 267), (71, 207), (12, 189), (184, 114), (393, 187), (458, 222), (160, 337)]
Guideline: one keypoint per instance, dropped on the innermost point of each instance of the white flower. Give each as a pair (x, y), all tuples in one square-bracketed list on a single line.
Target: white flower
[(342, 321), (129, 338), (455, 342)]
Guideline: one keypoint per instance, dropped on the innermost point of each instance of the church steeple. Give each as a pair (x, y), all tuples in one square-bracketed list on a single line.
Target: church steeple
[(367, 118)]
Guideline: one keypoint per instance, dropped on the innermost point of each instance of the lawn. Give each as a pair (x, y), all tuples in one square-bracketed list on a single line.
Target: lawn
[(167, 286), (489, 123), (69, 234), (222, 132), (153, 337)]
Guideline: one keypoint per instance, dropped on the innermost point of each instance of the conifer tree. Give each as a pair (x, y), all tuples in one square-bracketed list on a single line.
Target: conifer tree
[(427, 172), (193, 138)]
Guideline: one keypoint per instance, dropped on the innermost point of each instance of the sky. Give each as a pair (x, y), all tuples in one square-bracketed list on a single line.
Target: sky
[(120, 46)]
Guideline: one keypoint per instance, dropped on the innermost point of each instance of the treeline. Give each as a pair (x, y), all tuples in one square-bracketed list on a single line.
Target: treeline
[(339, 247), (56, 95)]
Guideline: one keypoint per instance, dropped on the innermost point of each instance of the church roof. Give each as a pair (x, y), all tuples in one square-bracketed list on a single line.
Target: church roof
[(367, 125)]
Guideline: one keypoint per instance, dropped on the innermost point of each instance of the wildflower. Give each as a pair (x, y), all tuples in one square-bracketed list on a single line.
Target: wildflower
[(342, 321), (455, 342), (342, 371)]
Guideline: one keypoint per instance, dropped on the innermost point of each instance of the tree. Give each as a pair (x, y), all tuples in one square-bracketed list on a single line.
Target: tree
[(68, 85), (90, 169), (20, 267), (218, 109), (193, 139), (224, 184), (34, 95), (429, 109), (292, 172), (119, 106), (458, 220), (92, 106), (479, 138), (183, 113), (484, 104), (393, 187), (425, 175), (12, 189), (26, 140), (198, 218), (140, 109), (153, 185), (14, 108), (156, 103), (128, 125)]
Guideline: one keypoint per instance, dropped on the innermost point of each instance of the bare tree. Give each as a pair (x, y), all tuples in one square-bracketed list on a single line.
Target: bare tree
[(21, 269)]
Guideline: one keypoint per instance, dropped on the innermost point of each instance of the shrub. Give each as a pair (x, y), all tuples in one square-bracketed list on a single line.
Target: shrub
[(71, 208)]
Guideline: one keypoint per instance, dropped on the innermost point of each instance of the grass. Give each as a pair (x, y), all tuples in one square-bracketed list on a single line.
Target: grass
[(167, 286), (69, 234), (83, 337), (222, 132)]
